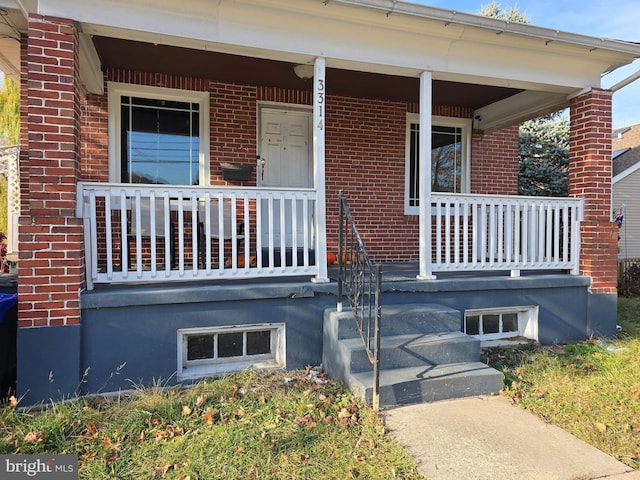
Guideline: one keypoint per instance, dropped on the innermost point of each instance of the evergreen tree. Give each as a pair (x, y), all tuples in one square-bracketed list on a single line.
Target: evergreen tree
[(543, 162), (543, 157)]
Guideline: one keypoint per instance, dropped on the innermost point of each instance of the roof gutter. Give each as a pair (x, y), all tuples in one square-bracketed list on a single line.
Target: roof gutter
[(623, 83), (447, 17)]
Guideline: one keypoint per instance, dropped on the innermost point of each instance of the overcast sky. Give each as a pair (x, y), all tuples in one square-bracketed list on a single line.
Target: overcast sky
[(617, 19)]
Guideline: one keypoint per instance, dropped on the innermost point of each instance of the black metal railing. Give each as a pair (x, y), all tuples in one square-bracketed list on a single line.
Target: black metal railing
[(360, 281)]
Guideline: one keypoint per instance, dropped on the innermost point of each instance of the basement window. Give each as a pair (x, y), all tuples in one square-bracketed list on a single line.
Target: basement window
[(211, 351), (501, 323)]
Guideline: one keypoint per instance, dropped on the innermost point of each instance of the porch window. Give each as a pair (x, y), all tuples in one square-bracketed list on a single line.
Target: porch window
[(450, 139), (158, 135), (214, 350)]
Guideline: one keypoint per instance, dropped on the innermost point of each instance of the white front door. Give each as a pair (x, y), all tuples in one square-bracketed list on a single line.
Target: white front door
[(285, 161)]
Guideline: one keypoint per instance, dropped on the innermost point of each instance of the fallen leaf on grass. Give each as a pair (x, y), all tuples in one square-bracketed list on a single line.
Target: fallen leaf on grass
[(208, 415), (91, 431), (600, 426), (164, 469), (186, 410), (170, 433), (110, 444), (306, 421), (34, 437), (636, 394)]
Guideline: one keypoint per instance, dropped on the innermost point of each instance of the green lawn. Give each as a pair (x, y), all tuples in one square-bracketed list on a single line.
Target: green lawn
[(278, 425), (284, 425), (591, 389)]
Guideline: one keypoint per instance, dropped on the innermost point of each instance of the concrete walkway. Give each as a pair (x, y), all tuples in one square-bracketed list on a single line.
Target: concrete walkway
[(488, 438)]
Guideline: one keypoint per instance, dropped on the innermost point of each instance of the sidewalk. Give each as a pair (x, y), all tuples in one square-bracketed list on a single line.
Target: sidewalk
[(481, 438)]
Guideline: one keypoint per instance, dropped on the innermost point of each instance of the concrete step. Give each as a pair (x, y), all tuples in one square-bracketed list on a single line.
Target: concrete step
[(410, 385), (411, 351), (398, 320)]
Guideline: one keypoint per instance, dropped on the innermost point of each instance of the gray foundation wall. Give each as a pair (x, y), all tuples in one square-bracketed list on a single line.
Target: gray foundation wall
[(128, 335)]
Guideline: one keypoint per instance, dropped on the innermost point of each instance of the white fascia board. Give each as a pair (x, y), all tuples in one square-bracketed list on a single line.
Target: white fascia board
[(448, 17), (519, 108), (625, 173), (396, 44)]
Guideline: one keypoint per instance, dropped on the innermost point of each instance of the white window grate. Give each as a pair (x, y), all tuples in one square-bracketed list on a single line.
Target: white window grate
[(501, 323), (215, 350)]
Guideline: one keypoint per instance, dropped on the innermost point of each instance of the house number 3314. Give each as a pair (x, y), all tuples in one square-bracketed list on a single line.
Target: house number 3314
[(320, 99)]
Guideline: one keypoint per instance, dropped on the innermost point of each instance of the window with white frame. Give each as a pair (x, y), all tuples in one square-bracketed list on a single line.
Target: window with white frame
[(450, 140), (158, 135), (500, 323), (214, 350)]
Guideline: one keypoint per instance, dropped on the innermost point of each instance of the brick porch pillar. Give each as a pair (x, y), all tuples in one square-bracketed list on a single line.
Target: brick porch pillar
[(590, 178), (51, 266)]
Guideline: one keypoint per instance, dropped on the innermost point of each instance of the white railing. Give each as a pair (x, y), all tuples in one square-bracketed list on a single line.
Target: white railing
[(140, 232), (486, 232)]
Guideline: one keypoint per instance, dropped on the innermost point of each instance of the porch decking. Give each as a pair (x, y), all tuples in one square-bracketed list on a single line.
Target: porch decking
[(396, 277)]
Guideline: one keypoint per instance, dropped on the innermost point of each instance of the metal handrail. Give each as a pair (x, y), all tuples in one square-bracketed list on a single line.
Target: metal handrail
[(360, 281)]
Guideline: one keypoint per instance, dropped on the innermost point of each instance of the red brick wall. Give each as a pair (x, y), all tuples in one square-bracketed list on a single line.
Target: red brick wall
[(365, 157), (232, 128), (94, 139), (51, 267), (494, 162), (590, 178), (365, 153)]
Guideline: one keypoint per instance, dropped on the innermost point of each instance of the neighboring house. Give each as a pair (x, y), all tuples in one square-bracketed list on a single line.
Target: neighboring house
[(625, 144), (163, 143)]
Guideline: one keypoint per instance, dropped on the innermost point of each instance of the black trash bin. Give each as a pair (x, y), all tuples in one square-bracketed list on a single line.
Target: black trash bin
[(8, 332)]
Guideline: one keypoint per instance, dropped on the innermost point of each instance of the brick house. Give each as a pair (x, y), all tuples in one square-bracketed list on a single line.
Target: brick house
[(180, 167)]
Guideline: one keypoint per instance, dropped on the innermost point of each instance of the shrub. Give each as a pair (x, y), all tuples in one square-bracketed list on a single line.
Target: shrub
[(630, 284), (3, 253)]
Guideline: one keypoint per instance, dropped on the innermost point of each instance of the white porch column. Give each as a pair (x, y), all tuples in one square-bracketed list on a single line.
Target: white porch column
[(424, 182), (319, 98)]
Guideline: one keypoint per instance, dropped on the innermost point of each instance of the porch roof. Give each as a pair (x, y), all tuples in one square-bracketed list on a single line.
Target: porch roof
[(505, 71)]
